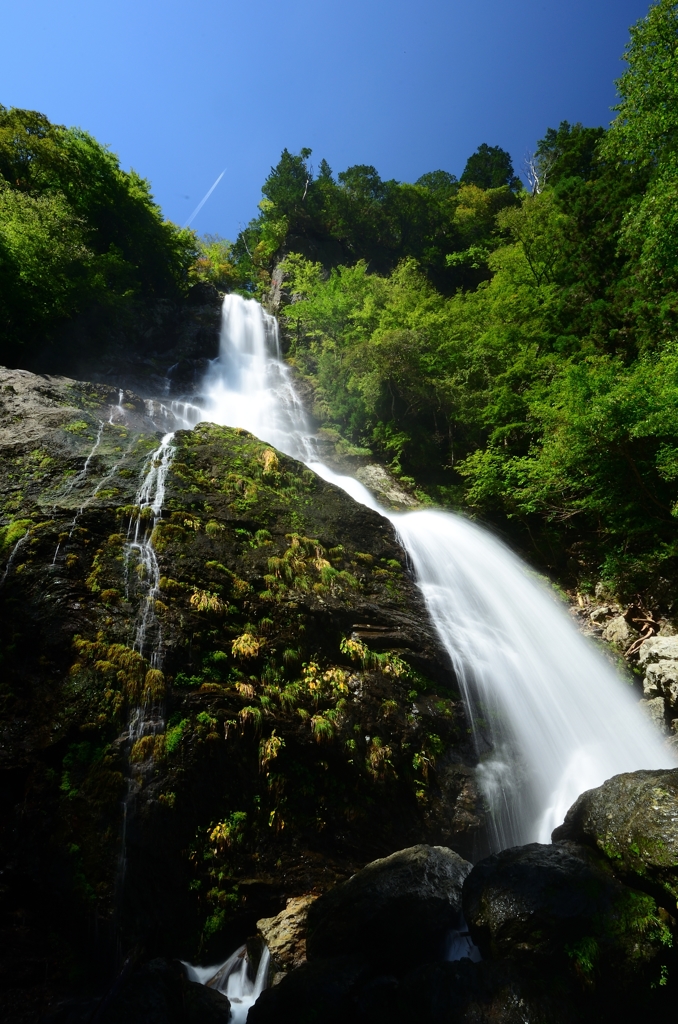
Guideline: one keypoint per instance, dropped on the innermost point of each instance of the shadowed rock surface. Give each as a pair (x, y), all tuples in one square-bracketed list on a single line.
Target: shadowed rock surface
[(285, 934), (394, 913), (560, 909)]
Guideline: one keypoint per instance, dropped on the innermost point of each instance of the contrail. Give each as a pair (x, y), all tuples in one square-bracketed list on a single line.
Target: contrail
[(204, 200)]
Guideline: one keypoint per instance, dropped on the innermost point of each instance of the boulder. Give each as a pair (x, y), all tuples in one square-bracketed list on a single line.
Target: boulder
[(160, 992), (632, 819), (285, 935), (661, 680), (602, 613), (618, 631), (395, 913), (316, 993), (491, 992), (560, 909), (658, 648), (655, 709)]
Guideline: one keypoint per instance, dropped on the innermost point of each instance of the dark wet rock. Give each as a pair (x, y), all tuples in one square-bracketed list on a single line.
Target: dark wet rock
[(491, 992), (160, 993), (394, 913), (322, 992), (185, 376), (632, 819), (559, 908)]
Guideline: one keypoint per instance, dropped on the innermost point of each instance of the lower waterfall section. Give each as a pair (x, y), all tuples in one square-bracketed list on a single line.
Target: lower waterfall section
[(540, 698), (234, 979)]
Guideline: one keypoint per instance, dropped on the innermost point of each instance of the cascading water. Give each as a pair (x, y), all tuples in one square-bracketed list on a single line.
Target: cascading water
[(549, 717), (233, 979)]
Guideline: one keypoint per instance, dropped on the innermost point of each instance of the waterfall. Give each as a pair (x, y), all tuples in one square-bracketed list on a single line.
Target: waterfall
[(233, 979), (550, 718)]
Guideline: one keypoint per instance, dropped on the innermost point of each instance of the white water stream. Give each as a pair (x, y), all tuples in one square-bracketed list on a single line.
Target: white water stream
[(232, 978)]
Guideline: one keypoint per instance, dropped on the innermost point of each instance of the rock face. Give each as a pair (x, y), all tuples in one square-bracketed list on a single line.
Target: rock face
[(659, 657), (394, 913), (632, 819), (295, 677), (285, 934)]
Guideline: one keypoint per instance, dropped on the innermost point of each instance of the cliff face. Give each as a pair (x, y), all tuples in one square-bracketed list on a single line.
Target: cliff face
[(190, 734)]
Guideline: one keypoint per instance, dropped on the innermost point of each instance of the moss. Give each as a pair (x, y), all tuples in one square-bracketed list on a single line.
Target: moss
[(77, 427), (174, 735), (13, 532)]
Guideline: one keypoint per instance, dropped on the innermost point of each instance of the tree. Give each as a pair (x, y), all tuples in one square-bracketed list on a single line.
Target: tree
[(645, 130), (569, 151), (76, 226), (443, 184), (644, 138), (490, 167)]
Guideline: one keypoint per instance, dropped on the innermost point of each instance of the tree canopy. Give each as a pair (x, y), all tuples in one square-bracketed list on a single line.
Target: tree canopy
[(76, 230)]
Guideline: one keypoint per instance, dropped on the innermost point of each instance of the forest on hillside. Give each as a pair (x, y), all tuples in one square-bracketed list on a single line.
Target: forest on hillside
[(507, 350)]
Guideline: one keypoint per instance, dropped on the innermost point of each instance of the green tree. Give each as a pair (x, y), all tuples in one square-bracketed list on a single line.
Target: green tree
[(490, 167)]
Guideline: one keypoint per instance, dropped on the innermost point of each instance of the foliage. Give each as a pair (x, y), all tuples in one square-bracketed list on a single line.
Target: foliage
[(76, 231), (490, 167), (359, 216)]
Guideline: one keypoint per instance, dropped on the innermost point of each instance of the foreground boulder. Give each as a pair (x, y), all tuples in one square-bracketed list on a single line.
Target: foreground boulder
[(490, 992), (559, 908), (632, 819), (395, 913), (158, 992), (322, 992)]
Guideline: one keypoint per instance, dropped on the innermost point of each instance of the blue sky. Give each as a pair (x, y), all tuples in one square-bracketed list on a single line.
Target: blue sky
[(182, 91)]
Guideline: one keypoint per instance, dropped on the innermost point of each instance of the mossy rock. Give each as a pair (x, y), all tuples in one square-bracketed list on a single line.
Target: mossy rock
[(632, 819)]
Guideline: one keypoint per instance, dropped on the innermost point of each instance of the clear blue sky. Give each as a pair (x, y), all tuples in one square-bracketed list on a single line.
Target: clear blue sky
[(182, 91)]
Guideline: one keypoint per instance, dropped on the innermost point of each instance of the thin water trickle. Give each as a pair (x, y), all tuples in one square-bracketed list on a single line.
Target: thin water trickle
[(118, 410), (139, 547), (85, 469), (147, 718), (549, 717)]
